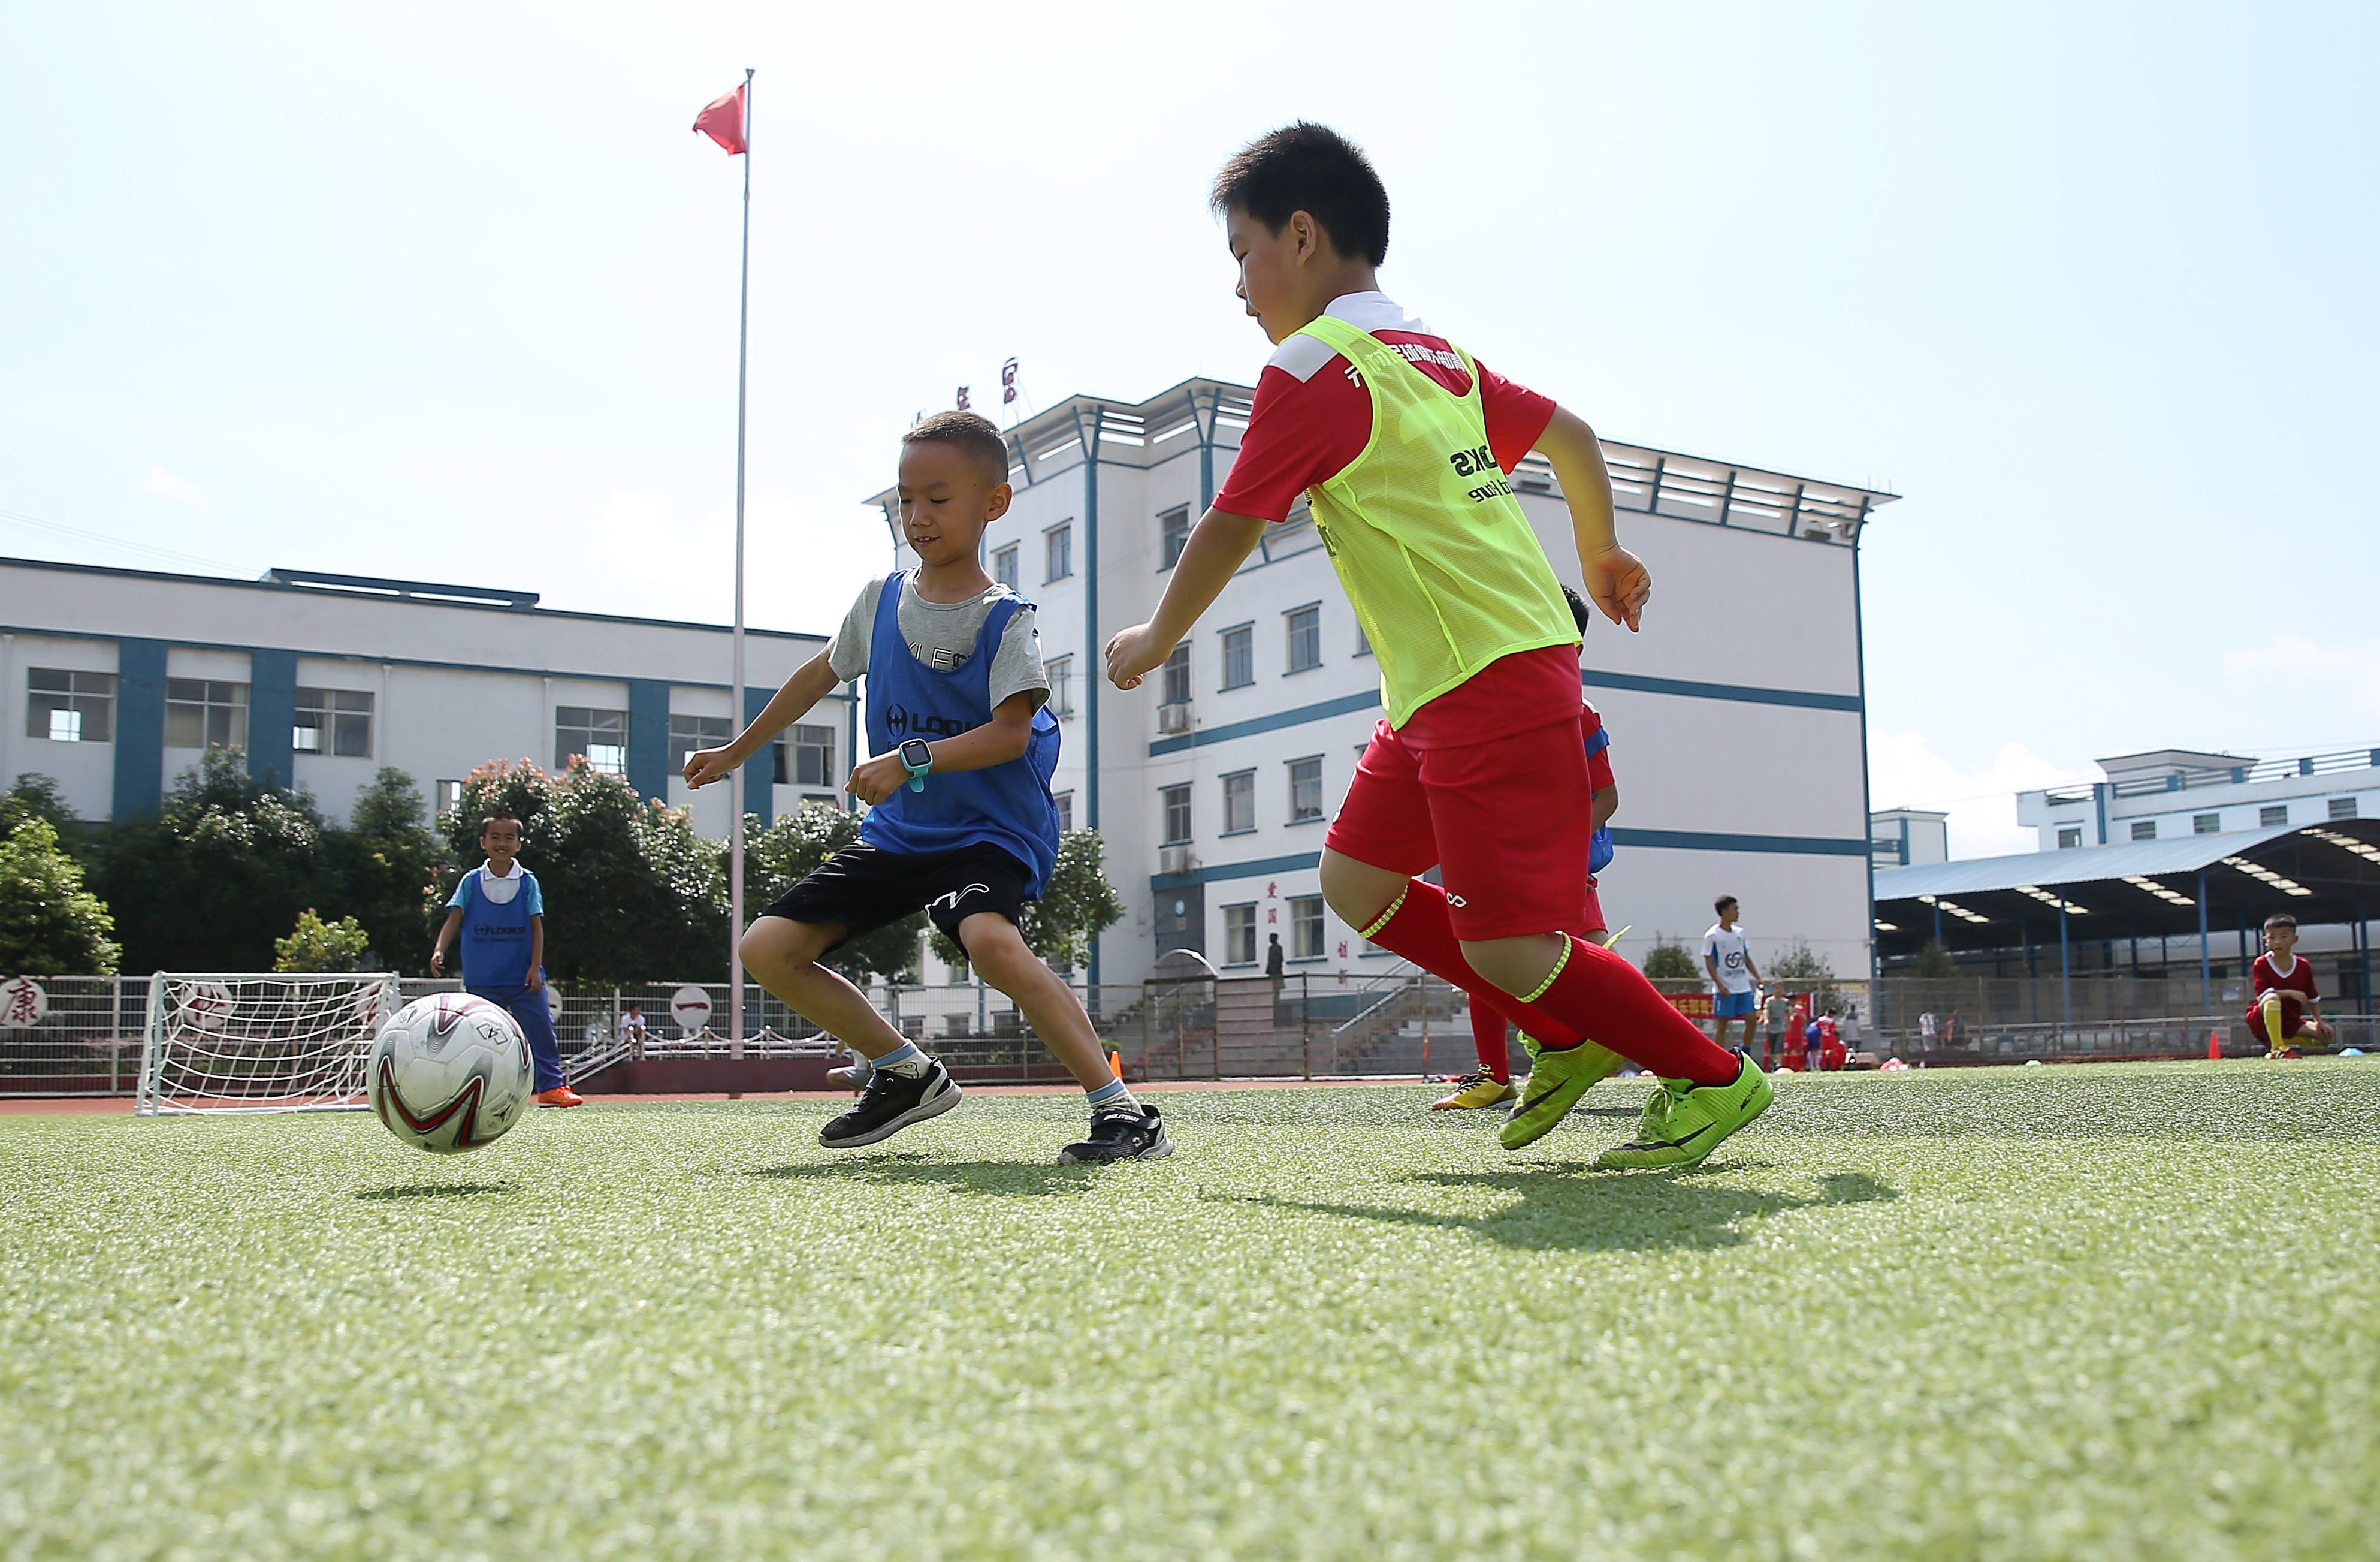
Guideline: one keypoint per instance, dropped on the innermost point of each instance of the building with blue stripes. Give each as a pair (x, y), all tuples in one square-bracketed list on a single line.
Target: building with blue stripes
[(1738, 715), (117, 681)]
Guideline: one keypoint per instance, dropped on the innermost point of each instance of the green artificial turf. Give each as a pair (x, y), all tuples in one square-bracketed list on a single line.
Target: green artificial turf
[(2105, 1313)]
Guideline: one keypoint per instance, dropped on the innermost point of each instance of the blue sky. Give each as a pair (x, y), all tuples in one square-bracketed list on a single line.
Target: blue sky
[(448, 292)]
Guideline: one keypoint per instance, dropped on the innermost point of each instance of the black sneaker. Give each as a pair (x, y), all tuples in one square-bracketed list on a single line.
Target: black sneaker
[(892, 1103), (1125, 1134)]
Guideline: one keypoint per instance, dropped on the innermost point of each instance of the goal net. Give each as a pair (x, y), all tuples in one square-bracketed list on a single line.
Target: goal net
[(229, 1043)]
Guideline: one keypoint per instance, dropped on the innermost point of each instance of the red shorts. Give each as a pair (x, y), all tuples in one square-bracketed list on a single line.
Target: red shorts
[(2293, 1015), (1508, 821)]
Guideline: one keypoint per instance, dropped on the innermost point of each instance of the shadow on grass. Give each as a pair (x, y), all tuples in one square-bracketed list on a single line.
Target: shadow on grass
[(1003, 1178), (434, 1191), (1632, 1211)]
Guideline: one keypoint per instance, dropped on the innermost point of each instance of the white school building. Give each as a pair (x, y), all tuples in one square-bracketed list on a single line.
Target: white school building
[(1738, 715)]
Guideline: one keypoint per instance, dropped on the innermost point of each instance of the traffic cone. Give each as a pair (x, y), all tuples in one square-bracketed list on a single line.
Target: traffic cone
[(2214, 1043), (1115, 1063)]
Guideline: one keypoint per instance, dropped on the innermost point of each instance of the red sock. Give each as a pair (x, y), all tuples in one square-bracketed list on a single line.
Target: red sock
[(1597, 994), (1420, 928), (1488, 1035)]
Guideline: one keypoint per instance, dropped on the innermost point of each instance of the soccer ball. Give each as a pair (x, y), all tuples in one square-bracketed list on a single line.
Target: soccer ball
[(449, 1073)]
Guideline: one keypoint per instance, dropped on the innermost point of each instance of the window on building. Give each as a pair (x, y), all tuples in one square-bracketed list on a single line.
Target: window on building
[(1305, 927), (449, 795), (2069, 835), (2342, 808), (1176, 803), (201, 714), (2143, 829), (688, 733), (1239, 657), (69, 707), (1173, 534), (1305, 790), (334, 721), (2206, 824), (1240, 936), (2278, 814), (1058, 552), (1003, 565), (1240, 803), (813, 757), (1061, 685), (601, 736), (1065, 802), (1177, 676), (1305, 637)]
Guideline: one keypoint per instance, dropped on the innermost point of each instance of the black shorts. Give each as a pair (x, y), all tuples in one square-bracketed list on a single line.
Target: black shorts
[(865, 887)]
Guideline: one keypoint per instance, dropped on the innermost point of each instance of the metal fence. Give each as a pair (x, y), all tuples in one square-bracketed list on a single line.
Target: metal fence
[(1207, 1028)]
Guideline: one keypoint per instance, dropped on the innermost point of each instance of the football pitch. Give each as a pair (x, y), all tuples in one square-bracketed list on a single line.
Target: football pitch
[(2087, 1311)]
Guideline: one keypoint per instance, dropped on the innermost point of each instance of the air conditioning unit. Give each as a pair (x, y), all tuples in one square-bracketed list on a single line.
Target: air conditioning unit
[(1173, 719), (1175, 860)]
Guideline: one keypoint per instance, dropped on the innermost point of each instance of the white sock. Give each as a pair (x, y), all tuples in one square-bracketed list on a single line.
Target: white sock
[(904, 1060)]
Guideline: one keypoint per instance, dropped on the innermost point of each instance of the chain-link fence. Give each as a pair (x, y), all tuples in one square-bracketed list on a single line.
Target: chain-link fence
[(88, 1039)]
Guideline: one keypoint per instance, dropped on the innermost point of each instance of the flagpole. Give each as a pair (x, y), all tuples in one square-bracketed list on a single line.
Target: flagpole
[(735, 829)]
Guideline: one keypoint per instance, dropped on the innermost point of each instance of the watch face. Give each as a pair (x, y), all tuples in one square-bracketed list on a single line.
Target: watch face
[(914, 752)]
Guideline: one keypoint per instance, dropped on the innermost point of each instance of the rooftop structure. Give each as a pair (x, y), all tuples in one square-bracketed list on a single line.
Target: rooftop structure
[(2170, 792)]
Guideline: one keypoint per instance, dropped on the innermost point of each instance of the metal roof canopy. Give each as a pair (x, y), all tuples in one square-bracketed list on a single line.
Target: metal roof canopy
[(2326, 873)]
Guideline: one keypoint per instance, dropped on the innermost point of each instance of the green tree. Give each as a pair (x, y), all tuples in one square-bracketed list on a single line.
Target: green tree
[(40, 794), (1934, 963), (209, 883), (1667, 960), (317, 946), (1077, 904), (779, 857), (632, 894), (1802, 970), (50, 924), (383, 866)]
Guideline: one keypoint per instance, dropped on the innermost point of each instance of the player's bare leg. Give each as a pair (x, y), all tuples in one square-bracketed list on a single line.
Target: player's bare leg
[(996, 949), (782, 956)]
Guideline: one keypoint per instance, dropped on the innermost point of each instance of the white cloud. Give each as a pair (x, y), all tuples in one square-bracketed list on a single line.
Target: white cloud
[(181, 489), (1905, 772)]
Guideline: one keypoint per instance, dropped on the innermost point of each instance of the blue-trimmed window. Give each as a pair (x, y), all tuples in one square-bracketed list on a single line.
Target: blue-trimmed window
[(334, 721), (1174, 535), (205, 713), (1305, 927), (1239, 657), (1240, 935), (601, 736), (64, 707), (1058, 553), (1003, 565), (688, 733), (1240, 802), (1304, 637), (1306, 789), (1175, 803), (1177, 676)]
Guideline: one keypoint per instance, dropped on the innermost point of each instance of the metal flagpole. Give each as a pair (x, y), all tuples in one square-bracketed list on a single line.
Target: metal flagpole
[(735, 799)]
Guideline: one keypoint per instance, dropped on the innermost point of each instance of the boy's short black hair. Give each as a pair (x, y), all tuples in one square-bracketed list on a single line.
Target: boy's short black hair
[(1577, 610), (1719, 906), (1310, 168), (503, 813), (2281, 918), (975, 437)]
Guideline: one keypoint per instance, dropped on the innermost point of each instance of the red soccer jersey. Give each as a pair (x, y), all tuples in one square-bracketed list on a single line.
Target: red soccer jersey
[(2298, 984), (1312, 415)]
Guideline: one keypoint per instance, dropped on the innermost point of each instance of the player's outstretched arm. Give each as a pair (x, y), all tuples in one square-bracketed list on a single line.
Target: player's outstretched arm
[(1218, 545), (813, 682), (997, 742), (1617, 581)]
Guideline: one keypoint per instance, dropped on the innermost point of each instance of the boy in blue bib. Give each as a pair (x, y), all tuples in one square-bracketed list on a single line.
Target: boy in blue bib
[(500, 912), (961, 823)]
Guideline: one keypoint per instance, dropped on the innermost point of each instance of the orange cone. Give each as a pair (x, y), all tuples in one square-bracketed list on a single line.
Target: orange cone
[(2214, 1043), (1115, 1063)]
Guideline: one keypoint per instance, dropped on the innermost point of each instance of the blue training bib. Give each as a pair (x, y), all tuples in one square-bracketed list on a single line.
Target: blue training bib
[(1008, 805), (495, 938)]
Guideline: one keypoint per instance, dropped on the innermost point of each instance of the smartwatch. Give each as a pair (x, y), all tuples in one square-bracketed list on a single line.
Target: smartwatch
[(919, 758)]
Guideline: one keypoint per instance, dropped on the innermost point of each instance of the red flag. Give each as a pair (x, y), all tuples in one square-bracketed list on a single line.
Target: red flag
[(724, 121)]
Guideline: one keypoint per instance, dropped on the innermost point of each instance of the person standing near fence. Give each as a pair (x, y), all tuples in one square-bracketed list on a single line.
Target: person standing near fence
[(500, 912), (1776, 1016), (1726, 960)]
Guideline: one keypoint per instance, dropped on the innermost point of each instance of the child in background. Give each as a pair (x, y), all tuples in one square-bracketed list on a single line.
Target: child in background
[(2287, 1003), (961, 824), (500, 912), (1491, 1083), (1401, 440)]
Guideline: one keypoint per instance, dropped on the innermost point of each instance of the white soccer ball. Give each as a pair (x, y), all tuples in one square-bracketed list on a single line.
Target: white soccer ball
[(449, 1073)]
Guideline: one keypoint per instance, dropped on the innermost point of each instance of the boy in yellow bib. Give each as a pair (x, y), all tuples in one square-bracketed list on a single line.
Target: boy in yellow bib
[(1402, 441)]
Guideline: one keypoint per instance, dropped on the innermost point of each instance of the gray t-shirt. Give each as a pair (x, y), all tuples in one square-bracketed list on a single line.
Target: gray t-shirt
[(942, 635)]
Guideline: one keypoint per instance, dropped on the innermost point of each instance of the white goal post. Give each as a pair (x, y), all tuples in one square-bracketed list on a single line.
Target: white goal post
[(229, 1041)]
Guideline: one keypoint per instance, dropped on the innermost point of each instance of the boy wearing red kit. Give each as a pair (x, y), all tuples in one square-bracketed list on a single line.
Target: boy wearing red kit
[(2288, 1005), (1402, 441)]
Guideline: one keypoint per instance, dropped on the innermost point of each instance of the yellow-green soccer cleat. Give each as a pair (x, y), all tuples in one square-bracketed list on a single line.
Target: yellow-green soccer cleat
[(1474, 1090), (1559, 1077), (1684, 1121)]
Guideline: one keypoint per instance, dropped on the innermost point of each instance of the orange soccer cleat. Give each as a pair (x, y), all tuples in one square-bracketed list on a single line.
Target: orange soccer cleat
[(560, 1095)]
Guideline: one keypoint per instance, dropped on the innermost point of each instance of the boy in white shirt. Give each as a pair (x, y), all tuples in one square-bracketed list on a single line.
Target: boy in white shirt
[(1728, 962)]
